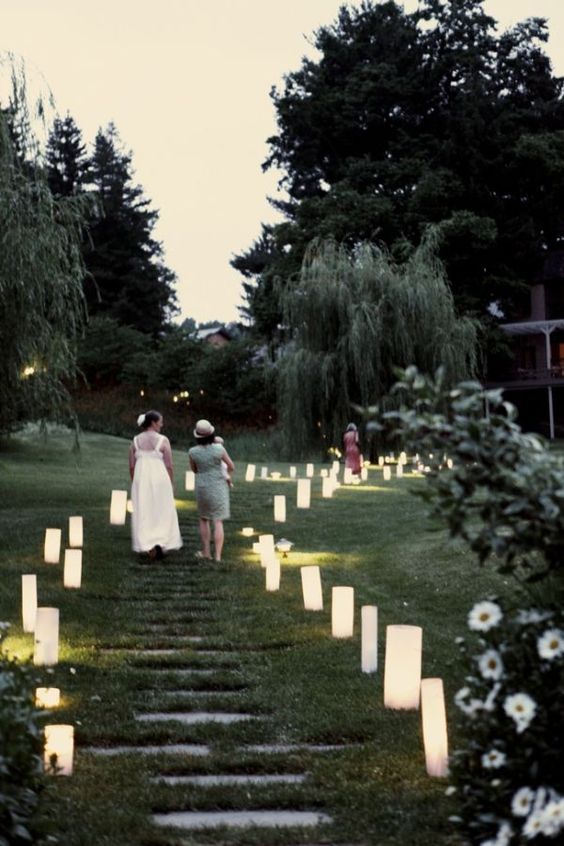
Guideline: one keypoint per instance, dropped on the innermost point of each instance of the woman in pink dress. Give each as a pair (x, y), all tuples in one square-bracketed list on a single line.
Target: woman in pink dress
[(352, 449)]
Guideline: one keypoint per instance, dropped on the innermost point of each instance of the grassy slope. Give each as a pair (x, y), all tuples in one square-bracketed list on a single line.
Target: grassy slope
[(375, 538)]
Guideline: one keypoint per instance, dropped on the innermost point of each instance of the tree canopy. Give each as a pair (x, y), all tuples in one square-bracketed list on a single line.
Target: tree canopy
[(410, 120)]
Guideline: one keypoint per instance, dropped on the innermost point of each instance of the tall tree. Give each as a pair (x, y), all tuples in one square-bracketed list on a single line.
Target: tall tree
[(355, 317), (41, 273), (408, 120), (66, 158), (128, 279)]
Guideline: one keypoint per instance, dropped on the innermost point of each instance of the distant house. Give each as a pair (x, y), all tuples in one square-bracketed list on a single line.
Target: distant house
[(216, 336), (535, 380)]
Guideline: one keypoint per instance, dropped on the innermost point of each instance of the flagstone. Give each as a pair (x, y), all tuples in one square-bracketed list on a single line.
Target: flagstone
[(196, 749), (228, 779), (240, 819), (194, 717)]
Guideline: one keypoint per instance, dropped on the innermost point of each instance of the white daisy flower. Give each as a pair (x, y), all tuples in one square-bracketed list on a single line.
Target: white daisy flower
[(534, 825), (490, 664), (551, 644), (522, 802), (493, 759), (491, 697), (484, 616), (521, 708), (553, 817), (504, 834), (531, 615)]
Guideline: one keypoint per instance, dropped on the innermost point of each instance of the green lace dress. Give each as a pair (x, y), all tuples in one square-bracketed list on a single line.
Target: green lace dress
[(212, 491)]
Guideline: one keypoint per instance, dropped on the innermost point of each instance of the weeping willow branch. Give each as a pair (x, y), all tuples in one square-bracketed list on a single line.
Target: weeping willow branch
[(353, 318), (42, 307)]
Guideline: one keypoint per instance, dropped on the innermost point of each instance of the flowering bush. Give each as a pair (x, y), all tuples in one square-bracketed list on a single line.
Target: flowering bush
[(509, 775)]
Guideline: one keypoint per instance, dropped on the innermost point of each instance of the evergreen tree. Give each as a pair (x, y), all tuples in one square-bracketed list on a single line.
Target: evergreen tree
[(410, 120), (66, 158), (127, 277)]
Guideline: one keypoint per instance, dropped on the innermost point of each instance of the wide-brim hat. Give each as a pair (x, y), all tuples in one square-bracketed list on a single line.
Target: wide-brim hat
[(203, 429)]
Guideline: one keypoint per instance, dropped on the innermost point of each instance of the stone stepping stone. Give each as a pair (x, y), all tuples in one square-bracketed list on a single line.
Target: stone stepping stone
[(284, 748), (189, 694), (179, 671), (195, 749), (240, 819), (191, 718), (227, 780), (134, 652)]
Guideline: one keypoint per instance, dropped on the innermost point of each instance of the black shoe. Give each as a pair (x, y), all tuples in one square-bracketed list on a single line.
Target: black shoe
[(159, 554)]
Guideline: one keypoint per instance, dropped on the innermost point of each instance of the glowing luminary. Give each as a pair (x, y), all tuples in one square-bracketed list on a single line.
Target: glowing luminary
[(247, 531), (46, 646), (310, 470), (380, 461), (335, 467), (324, 472), (369, 619), (387, 473), (118, 508), (264, 472), (327, 487), (52, 546), (47, 697), (250, 473), (129, 506), (342, 612), (364, 474), (293, 472), (280, 509), (190, 480), (73, 568), (402, 458), (59, 749), (29, 601), (304, 493), (402, 671), (348, 476), (266, 549), (256, 548), (276, 475), (399, 470), (273, 574), (311, 588), (75, 532), (433, 715)]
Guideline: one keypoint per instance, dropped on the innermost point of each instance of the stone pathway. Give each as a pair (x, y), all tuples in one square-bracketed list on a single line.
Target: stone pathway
[(178, 657)]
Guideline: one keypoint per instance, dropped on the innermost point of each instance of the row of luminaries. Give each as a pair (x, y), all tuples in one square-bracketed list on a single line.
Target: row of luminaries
[(43, 623), (403, 686)]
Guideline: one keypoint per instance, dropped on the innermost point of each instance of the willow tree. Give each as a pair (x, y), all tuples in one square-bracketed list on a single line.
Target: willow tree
[(353, 317), (41, 296)]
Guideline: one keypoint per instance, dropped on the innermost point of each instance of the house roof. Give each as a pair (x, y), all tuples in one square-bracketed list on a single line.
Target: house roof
[(202, 334)]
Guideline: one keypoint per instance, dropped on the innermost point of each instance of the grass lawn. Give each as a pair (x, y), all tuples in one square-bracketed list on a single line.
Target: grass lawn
[(274, 659)]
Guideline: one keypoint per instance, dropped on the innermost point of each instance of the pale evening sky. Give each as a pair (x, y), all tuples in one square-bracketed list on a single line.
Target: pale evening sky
[(187, 84)]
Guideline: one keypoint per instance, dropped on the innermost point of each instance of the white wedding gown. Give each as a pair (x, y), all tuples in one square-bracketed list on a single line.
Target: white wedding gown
[(154, 520)]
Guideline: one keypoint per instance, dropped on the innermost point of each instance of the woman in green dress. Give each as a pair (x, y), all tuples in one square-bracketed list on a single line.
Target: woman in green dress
[(212, 489)]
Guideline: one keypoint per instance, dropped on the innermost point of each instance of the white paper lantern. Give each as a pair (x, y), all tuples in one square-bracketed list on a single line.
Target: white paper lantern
[(399, 471), (75, 532), (369, 618), (310, 470), (52, 546), (129, 507), (433, 715), (280, 509), (118, 508), (364, 474), (293, 472), (247, 531), (250, 473), (387, 473), (190, 480), (324, 472), (402, 458), (273, 574), (266, 549), (73, 568), (264, 472), (275, 475), (335, 467), (47, 697), (327, 487), (256, 548), (380, 461), (342, 611), (348, 476), (46, 645), (402, 672), (304, 493), (29, 601), (59, 741), (311, 588)]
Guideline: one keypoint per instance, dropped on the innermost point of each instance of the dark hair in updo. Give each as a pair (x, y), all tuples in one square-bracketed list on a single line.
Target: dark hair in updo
[(207, 439), (150, 417)]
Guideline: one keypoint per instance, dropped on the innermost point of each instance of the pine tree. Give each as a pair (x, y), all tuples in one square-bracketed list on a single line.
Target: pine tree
[(127, 277), (66, 158)]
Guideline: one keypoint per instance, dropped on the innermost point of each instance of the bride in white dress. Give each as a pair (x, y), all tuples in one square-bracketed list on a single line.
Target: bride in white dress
[(154, 521)]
